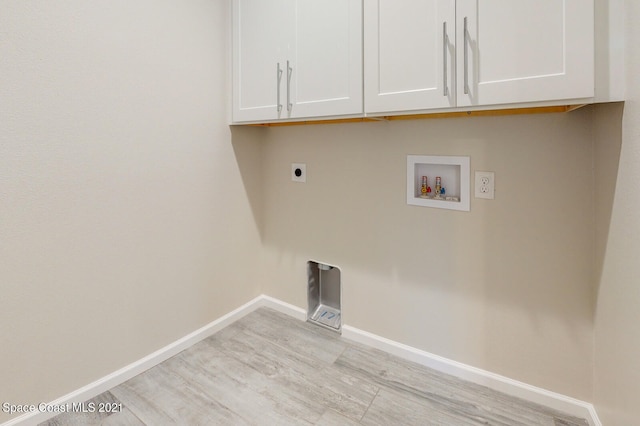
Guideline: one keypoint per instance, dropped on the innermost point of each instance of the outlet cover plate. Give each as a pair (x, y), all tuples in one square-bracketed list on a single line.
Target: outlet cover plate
[(485, 185), (299, 172)]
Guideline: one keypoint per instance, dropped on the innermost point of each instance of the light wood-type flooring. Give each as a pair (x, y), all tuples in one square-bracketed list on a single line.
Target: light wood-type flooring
[(270, 369)]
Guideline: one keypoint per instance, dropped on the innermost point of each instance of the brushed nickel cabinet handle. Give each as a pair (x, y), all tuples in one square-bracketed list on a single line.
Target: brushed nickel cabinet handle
[(466, 56), (445, 46), (278, 79), (289, 73)]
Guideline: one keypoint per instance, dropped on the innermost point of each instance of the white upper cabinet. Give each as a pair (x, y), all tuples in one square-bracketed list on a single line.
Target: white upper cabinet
[(524, 51), (296, 59), (433, 54), (327, 78), (409, 54), (262, 34)]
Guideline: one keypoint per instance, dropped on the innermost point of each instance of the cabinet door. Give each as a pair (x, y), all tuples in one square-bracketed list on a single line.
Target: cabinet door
[(524, 51), (262, 34), (326, 66), (409, 51)]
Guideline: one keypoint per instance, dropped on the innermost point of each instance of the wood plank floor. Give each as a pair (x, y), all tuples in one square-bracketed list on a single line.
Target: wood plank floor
[(270, 369)]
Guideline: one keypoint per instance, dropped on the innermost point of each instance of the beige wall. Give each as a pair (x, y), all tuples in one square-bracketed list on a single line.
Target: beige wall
[(506, 287), (617, 325), (124, 222), (606, 154), (130, 214)]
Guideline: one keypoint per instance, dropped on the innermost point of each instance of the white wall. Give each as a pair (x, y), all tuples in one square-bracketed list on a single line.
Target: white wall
[(507, 287), (124, 220), (617, 330)]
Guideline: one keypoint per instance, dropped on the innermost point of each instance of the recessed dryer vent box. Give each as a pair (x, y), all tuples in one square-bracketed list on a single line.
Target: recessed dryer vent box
[(323, 296), (454, 178)]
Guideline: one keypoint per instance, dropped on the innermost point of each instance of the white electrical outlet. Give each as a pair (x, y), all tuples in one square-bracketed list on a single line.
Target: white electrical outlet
[(485, 185), (299, 172)]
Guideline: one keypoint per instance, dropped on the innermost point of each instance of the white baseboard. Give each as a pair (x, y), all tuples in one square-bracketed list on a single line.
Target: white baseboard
[(114, 379), (283, 307), (493, 381)]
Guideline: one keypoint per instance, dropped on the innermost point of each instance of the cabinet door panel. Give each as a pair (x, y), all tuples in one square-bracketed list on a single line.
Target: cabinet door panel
[(261, 38), (327, 74), (406, 53), (524, 51)]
